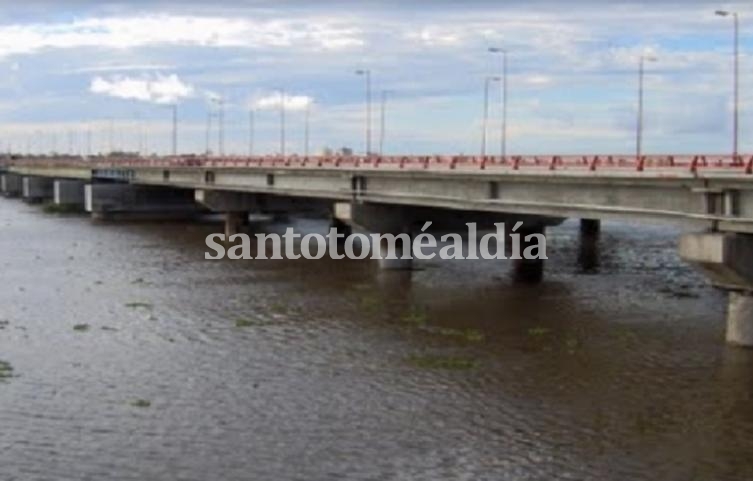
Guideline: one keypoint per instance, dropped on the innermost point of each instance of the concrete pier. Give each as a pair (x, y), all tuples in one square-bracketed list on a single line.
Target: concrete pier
[(69, 193), (590, 227), (588, 245), (528, 271), (10, 185), (740, 319), (234, 222), (37, 189), (727, 260), (139, 202), (380, 219)]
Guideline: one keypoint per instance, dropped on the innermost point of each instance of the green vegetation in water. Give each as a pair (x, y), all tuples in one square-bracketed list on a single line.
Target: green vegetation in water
[(370, 302), (416, 316), (443, 362), (139, 305), (538, 331), (278, 308), (468, 335), (81, 327), (60, 209), (141, 403), (249, 323), (6, 371)]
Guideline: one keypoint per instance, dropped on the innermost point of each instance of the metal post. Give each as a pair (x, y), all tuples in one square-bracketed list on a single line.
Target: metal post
[(504, 104), (736, 125), (209, 132), (367, 74), (487, 82), (639, 127), (736, 81), (251, 132), (307, 115), (175, 129), (368, 113), (382, 114), (221, 126), (282, 123)]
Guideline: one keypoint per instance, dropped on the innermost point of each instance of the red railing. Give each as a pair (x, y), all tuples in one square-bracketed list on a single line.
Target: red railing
[(691, 163)]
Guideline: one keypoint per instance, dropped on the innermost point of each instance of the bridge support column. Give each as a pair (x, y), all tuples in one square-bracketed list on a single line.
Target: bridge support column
[(588, 248), (727, 260), (590, 227), (340, 226), (528, 271), (234, 205), (139, 202), (234, 222), (69, 193), (10, 185), (740, 319), (380, 219), (37, 189)]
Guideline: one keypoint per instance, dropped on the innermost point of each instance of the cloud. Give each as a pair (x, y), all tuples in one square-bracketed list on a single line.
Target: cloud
[(159, 90), (292, 102), (162, 29)]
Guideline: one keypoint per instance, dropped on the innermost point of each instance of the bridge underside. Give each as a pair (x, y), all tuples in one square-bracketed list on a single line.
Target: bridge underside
[(716, 205)]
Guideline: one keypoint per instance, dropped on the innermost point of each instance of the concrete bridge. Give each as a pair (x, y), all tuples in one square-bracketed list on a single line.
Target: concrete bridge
[(710, 196)]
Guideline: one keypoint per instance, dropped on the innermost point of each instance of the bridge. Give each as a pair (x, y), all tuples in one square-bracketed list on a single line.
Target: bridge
[(710, 196)]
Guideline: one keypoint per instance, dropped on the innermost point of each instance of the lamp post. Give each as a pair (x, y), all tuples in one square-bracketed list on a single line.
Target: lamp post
[(175, 129), (282, 123), (209, 132), (251, 132), (367, 74), (639, 128), (382, 121), (306, 130), (736, 81), (220, 124), (503, 52), (487, 82)]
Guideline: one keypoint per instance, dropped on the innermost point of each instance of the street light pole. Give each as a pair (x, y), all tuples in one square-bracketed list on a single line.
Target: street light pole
[(251, 132), (175, 129), (209, 132), (307, 115), (282, 123), (382, 122), (221, 126), (639, 128), (503, 146), (367, 74), (736, 81), (487, 82)]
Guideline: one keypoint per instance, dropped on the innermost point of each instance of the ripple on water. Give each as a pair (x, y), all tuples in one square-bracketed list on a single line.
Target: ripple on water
[(302, 370)]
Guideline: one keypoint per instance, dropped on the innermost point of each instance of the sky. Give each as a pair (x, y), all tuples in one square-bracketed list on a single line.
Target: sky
[(84, 74)]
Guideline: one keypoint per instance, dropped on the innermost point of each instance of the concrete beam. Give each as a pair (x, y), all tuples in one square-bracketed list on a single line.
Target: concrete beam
[(128, 201), (37, 189), (10, 185), (726, 259), (69, 193), (227, 201)]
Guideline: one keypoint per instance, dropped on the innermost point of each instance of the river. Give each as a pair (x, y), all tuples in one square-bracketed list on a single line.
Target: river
[(125, 355)]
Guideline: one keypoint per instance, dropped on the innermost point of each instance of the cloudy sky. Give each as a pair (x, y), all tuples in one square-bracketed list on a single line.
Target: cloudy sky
[(114, 69)]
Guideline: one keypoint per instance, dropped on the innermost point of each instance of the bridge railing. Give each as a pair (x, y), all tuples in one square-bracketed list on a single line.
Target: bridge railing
[(526, 163)]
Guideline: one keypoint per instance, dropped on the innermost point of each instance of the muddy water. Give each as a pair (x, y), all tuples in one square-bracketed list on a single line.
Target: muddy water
[(130, 357)]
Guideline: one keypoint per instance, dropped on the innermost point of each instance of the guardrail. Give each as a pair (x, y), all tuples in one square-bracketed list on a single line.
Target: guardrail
[(690, 163)]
